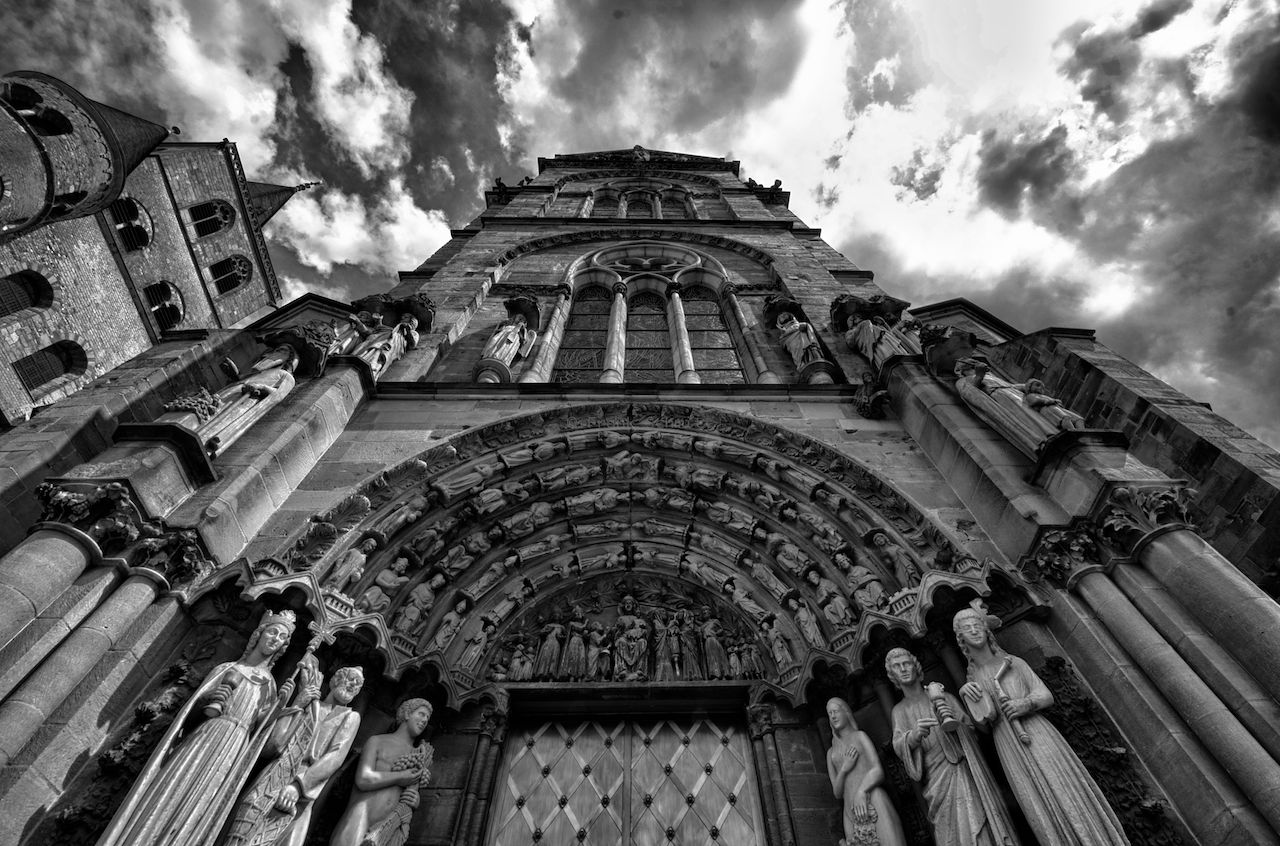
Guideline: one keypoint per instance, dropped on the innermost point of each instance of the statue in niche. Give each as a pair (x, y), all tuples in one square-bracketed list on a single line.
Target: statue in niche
[(857, 780), (873, 338), (547, 544), (186, 790), (385, 587), (936, 742), (630, 465), (1037, 398), (521, 668), (531, 453), (823, 534), (832, 602), (392, 770), (494, 573), (631, 645), (450, 623), (430, 540), (474, 477), (528, 520), (904, 565), (547, 663), (788, 554), (350, 567), (609, 439), (412, 615), (573, 666), (868, 592), (1001, 404), (764, 574), (660, 528), (666, 646), (713, 647), (307, 746), (477, 644), (735, 661), (719, 450), (597, 652), (597, 501), (731, 517), (455, 561), (807, 622), (478, 543), (691, 477), (663, 440), (512, 600), (407, 513), (742, 599), (690, 637), (384, 345), (778, 643), (711, 542), (1060, 799), (799, 339), (512, 339)]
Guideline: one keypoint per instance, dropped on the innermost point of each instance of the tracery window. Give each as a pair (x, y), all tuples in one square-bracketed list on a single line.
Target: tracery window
[(648, 340), (22, 290), (231, 273), (714, 356), (581, 356), (211, 217)]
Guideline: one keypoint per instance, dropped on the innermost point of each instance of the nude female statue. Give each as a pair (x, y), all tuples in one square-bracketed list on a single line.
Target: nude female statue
[(857, 779)]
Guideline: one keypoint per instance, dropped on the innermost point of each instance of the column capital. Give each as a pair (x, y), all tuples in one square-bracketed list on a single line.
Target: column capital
[(564, 291), (728, 289), (620, 288), (760, 720), (1062, 556), (1131, 515), (673, 289)]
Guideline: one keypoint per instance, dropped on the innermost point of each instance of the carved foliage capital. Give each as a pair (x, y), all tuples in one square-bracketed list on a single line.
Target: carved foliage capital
[(1061, 556), (1132, 513), (760, 720), (106, 513), (493, 723)]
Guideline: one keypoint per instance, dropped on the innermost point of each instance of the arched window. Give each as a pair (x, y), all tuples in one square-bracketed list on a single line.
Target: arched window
[(606, 205), (30, 106), (713, 354), (39, 371), (132, 223), (581, 355), (22, 290), (231, 273), (673, 205), (648, 340), (640, 204), (165, 303), (211, 218)]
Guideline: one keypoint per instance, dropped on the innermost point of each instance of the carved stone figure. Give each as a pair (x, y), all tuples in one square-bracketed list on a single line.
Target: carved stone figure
[(873, 338), (308, 745), (413, 614), (964, 801), (402, 516), (717, 659), (904, 565), (350, 567), (510, 340), (778, 643), (493, 574), (385, 586), (597, 639), (477, 644), (742, 599), (548, 662), (764, 574), (857, 780), (690, 652), (521, 663), (392, 771), (1001, 405), (867, 589), (799, 339), (666, 646), (631, 646), (186, 790), (450, 623), (573, 666), (384, 345), (1038, 399), (832, 602), (1060, 799), (807, 622)]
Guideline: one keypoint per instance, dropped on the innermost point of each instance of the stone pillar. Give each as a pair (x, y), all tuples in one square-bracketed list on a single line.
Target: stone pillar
[(764, 376), (35, 572), (615, 351), (22, 714), (494, 727), (681, 350), (769, 768), (1240, 691), (1257, 774), (545, 360)]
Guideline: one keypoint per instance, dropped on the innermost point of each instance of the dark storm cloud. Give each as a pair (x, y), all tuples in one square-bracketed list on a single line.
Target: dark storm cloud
[(917, 176), (1101, 63), (882, 35), (706, 60), (1157, 16), (1011, 168)]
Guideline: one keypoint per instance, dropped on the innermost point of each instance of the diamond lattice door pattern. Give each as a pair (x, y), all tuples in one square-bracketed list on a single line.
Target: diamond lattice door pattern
[(646, 783)]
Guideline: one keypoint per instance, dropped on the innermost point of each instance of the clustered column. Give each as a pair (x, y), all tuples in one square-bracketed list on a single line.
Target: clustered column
[(764, 376), (615, 351)]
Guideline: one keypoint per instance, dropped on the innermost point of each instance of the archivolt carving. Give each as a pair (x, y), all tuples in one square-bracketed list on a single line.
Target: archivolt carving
[(797, 549), (614, 235)]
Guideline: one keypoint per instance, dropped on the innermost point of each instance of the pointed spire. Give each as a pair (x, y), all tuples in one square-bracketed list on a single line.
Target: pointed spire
[(265, 198), (136, 137)]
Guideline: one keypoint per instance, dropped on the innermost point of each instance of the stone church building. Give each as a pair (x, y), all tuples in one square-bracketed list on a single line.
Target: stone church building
[(628, 481)]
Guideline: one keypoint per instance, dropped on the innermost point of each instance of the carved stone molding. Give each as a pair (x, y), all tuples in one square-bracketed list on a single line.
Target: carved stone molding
[(1131, 514), (616, 234), (760, 719)]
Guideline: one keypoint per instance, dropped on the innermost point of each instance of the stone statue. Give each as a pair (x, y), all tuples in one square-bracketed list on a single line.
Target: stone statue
[(1002, 405), (1050, 407), (573, 664), (547, 663), (631, 646), (511, 339), (401, 516), (384, 345), (1060, 799), (764, 574), (778, 643), (391, 772), (742, 599), (905, 567), (964, 801), (713, 646), (807, 622), (802, 345), (350, 567), (450, 623), (187, 788), (666, 646), (832, 602), (309, 745), (493, 574), (477, 644), (857, 780), (689, 652), (385, 587), (867, 589), (413, 614), (873, 338)]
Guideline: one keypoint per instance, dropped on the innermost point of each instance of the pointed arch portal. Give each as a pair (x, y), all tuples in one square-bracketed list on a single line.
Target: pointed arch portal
[(651, 543)]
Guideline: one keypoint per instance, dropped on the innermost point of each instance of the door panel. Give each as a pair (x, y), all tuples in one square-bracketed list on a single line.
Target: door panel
[(650, 783)]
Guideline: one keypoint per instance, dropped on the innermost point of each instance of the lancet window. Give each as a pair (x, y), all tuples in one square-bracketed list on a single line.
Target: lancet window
[(648, 340), (581, 357), (714, 355)]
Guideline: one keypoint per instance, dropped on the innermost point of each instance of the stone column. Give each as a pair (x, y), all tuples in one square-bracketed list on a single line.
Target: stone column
[(1257, 774), (545, 360), (764, 376), (36, 571), (495, 725), (760, 720), (681, 350), (1239, 690), (22, 714), (615, 351)]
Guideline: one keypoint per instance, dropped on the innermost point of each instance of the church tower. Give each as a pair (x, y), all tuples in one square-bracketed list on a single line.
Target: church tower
[(651, 501)]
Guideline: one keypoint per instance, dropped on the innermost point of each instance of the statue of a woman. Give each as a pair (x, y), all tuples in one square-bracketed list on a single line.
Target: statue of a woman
[(964, 802), (1060, 799), (186, 791), (857, 781), (392, 771), (799, 339), (309, 744), (573, 665)]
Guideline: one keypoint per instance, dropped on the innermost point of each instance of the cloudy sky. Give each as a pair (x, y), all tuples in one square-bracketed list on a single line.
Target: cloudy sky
[(1103, 163)]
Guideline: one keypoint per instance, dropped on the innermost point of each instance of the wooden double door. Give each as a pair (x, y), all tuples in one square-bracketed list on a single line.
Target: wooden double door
[(648, 782)]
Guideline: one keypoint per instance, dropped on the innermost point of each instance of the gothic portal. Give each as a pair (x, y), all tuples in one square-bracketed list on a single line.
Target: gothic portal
[(636, 514)]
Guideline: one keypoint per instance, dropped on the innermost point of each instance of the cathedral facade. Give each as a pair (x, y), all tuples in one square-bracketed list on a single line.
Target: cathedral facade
[(635, 514)]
